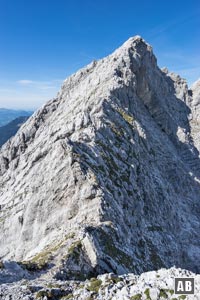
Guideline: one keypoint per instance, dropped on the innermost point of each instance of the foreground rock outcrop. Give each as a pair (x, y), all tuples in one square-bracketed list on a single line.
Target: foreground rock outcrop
[(106, 176), (152, 285)]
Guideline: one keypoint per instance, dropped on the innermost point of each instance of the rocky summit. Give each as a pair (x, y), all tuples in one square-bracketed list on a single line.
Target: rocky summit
[(105, 178)]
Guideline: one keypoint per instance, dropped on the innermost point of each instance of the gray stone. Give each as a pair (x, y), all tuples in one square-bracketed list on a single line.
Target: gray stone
[(106, 176)]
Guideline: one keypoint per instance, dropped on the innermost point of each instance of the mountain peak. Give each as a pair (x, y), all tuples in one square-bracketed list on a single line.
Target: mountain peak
[(106, 172), (137, 44), (134, 39)]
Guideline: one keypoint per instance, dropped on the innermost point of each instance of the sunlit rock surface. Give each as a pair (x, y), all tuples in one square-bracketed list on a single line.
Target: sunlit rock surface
[(106, 176), (154, 285)]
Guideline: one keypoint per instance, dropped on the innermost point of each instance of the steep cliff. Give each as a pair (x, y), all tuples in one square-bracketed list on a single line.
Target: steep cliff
[(195, 115)]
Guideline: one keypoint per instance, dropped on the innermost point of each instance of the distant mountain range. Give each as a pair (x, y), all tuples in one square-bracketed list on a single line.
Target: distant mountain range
[(9, 130), (7, 115)]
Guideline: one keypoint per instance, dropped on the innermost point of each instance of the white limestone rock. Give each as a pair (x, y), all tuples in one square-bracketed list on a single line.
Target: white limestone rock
[(106, 287), (105, 177)]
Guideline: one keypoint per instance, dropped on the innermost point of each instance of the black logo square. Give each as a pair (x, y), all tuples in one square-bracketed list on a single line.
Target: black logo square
[(184, 286)]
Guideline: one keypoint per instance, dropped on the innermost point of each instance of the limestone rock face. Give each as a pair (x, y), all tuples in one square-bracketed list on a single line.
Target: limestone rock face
[(106, 176), (195, 116)]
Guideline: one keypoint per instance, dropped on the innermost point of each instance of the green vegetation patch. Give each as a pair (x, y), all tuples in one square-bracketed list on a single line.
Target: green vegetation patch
[(74, 251), (163, 293), (116, 130), (2, 219), (171, 292), (74, 246), (53, 285), (94, 285), (41, 260), (147, 293), (128, 118), (42, 294), (116, 279), (69, 296), (136, 297)]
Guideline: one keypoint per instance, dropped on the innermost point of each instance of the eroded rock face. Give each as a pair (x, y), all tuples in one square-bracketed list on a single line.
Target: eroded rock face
[(105, 177), (195, 116)]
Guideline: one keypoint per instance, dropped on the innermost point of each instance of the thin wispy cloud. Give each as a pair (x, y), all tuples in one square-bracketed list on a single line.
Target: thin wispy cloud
[(25, 82), (42, 85), (27, 93)]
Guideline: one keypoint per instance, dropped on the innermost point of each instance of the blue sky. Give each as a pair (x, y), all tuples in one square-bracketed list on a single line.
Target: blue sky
[(44, 41)]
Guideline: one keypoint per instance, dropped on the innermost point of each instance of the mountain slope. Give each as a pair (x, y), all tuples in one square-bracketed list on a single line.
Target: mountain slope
[(10, 129), (106, 176)]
